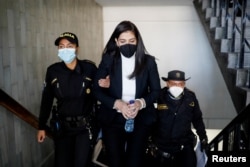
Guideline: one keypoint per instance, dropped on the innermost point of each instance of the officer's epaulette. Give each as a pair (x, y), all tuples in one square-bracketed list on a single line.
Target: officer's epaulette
[(89, 61)]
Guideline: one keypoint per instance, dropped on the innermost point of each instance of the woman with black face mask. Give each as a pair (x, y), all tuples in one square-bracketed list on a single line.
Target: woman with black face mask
[(133, 76)]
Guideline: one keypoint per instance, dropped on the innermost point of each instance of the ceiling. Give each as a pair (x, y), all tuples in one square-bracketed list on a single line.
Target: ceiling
[(144, 2)]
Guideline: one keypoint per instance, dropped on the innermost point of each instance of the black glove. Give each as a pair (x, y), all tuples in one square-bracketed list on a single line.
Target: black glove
[(204, 145)]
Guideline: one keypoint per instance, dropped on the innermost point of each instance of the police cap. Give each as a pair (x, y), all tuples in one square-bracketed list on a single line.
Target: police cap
[(175, 75), (69, 36)]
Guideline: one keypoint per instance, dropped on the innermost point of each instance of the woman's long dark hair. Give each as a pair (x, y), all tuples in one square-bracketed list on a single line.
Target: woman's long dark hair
[(113, 50)]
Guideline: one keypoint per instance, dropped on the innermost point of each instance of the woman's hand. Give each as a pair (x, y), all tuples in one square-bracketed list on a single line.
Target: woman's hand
[(104, 83), (122, 107), (127, 110), (134, 109), (41, 134)]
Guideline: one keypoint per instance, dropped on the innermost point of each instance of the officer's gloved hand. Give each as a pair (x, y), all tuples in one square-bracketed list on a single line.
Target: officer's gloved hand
[(204, 145)]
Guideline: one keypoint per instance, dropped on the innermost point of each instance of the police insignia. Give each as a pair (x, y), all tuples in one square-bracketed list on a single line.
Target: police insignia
[(87, 78), (162, 107), (88, 91), (53, 81), (191, 104), (178, 75), (67, 35)]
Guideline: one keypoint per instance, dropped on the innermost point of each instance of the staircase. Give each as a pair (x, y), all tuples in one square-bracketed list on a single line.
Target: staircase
[(18, 145), (227, 24)]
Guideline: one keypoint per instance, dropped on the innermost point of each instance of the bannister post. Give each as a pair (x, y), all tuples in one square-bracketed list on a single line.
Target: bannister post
[(226, 19), (232, 48), (236, 139), (225, 142), (242, 35)]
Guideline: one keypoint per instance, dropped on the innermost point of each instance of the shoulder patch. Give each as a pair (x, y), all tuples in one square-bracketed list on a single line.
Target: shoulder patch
[(192, 104)]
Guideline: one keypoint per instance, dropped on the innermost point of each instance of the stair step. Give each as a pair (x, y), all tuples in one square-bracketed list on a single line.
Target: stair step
[(241, 78), (214, 22), (219, 33), (205, 4), (225, 45), (232, 60), (248, 96), (246, 60), (209, 13)]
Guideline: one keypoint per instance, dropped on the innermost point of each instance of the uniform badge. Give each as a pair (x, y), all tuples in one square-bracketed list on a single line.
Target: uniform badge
[(162, 107), (191, 104), (88, 91), (178, 75), (53, 81), (87, 78)]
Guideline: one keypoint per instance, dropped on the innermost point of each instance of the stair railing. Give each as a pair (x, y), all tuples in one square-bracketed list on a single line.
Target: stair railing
[(238, 10), (16, 108), (235, 136)]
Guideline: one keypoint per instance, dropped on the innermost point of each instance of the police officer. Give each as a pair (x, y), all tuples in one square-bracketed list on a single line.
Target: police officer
[(70, 83), (177, 109)]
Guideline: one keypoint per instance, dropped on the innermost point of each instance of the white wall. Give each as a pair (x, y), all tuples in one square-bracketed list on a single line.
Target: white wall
[(175, 36)]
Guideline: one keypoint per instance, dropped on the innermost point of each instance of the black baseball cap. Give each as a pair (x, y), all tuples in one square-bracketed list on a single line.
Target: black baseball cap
[(69, 36)]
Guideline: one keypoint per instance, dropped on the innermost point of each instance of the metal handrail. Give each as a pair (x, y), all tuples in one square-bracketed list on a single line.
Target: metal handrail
[(231, 137)]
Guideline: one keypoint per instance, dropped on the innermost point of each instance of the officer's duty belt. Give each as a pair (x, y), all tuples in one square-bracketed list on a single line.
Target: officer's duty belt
[(163, 154), (166, 154), (75, 121)]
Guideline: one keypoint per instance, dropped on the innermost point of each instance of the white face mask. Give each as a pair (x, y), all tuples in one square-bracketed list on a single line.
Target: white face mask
[(176, 91), (67, 54)]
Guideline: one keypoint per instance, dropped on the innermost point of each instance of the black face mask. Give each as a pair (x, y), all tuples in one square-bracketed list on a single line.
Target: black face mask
[(128, 50)]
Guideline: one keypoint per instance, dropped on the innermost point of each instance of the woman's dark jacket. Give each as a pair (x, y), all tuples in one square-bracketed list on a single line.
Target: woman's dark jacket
[(147, 87)]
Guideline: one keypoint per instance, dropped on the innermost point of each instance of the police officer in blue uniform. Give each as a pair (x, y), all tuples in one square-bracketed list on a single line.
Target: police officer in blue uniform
[(70, 83), (177, 110)]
